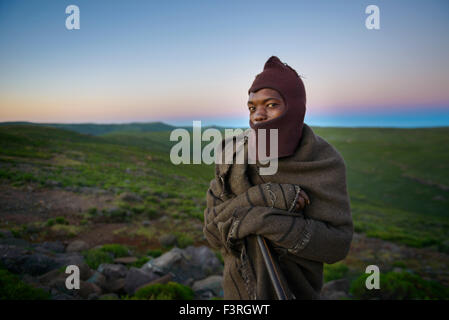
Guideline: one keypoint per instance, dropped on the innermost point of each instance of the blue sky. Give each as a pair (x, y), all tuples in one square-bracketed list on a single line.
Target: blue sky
[(179, 61)]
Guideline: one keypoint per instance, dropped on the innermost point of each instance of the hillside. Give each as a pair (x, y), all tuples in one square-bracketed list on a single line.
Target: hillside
[(120, 187)]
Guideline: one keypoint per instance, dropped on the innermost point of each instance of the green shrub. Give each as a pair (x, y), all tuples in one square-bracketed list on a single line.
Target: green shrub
[(335, 271), (104, 254), (183, 240), (50, 222), (61, 220), (399, 286), (92, 211), (138, 209), (168, 291), (95, 257), (117, 215), (117, 250), (399, 264), (16, 233), (151, 213), (154, 253), (12, 288), (140, 262)]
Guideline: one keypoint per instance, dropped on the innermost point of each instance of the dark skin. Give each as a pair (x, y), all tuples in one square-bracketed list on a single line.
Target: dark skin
[(266, 104)]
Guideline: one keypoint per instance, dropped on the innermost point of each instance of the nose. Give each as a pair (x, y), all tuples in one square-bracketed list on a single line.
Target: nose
[(260, 115)]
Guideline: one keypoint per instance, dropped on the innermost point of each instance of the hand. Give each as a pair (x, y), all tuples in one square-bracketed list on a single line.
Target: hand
[(303, 199)]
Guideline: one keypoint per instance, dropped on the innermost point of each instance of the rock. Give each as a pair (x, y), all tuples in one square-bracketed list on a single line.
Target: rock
[(125, 260), (212, 284), (113, 271), (168, 240), (58, 285), (15, 242), (164, 279), (66, 259), (88, 288), (146, 223), (11, 257), (76, 246), (85, 271), (330, 288), (37, 264), (136, 278), (115, 286), (55, 246), (93, 296), (130, 197), (99, 279), (50, 276), (5, 234), (49, 247), (193, 262)]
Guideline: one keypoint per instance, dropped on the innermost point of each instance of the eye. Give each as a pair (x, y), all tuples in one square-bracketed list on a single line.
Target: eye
[(251, 108), (272, 105)]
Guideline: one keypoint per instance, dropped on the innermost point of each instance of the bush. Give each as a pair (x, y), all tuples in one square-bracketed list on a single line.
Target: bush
[(105, 254), (95, 257), (12, 288), (92, 211), (183, 240), (140, 262), (61, 220), (58, 220), (117, 250), (151, 213), (169, 291), (138, 209), (117, 215), (154, 253), (335, 271), (50, 222), (399, 286)]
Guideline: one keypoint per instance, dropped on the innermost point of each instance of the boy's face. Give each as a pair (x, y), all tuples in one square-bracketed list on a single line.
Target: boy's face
[(265, 104)]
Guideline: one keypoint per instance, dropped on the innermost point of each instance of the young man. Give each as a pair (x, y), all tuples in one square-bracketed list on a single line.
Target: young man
[(302, 210)]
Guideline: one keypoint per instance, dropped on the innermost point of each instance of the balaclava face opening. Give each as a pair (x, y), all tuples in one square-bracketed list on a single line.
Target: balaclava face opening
[(284, 79)]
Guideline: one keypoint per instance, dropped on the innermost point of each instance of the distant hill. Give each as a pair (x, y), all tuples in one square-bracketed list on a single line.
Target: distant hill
[(99, 129)]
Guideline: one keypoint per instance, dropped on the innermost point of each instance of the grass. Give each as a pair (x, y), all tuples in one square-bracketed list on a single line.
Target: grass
[(105, 254), (399, 286), (397, 178), (13, 288), (335, 271)]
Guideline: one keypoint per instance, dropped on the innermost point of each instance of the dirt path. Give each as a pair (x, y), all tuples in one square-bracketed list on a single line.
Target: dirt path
[(30, 204)]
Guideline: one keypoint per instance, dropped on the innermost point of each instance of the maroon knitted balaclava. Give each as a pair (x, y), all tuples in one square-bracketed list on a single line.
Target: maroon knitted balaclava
[(284, 79)]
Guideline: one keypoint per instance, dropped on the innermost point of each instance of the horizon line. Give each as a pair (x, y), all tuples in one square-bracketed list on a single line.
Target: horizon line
[(219, 126)]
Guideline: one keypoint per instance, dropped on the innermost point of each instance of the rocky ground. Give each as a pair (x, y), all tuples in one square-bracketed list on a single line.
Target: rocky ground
[(43, 265), (40, 254)]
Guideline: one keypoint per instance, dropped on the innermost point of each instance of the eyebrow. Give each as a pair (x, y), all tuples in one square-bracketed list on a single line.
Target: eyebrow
[(264, 101)]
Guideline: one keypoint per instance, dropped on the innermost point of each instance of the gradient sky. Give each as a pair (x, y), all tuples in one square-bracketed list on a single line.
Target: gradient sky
[(178, 61)]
